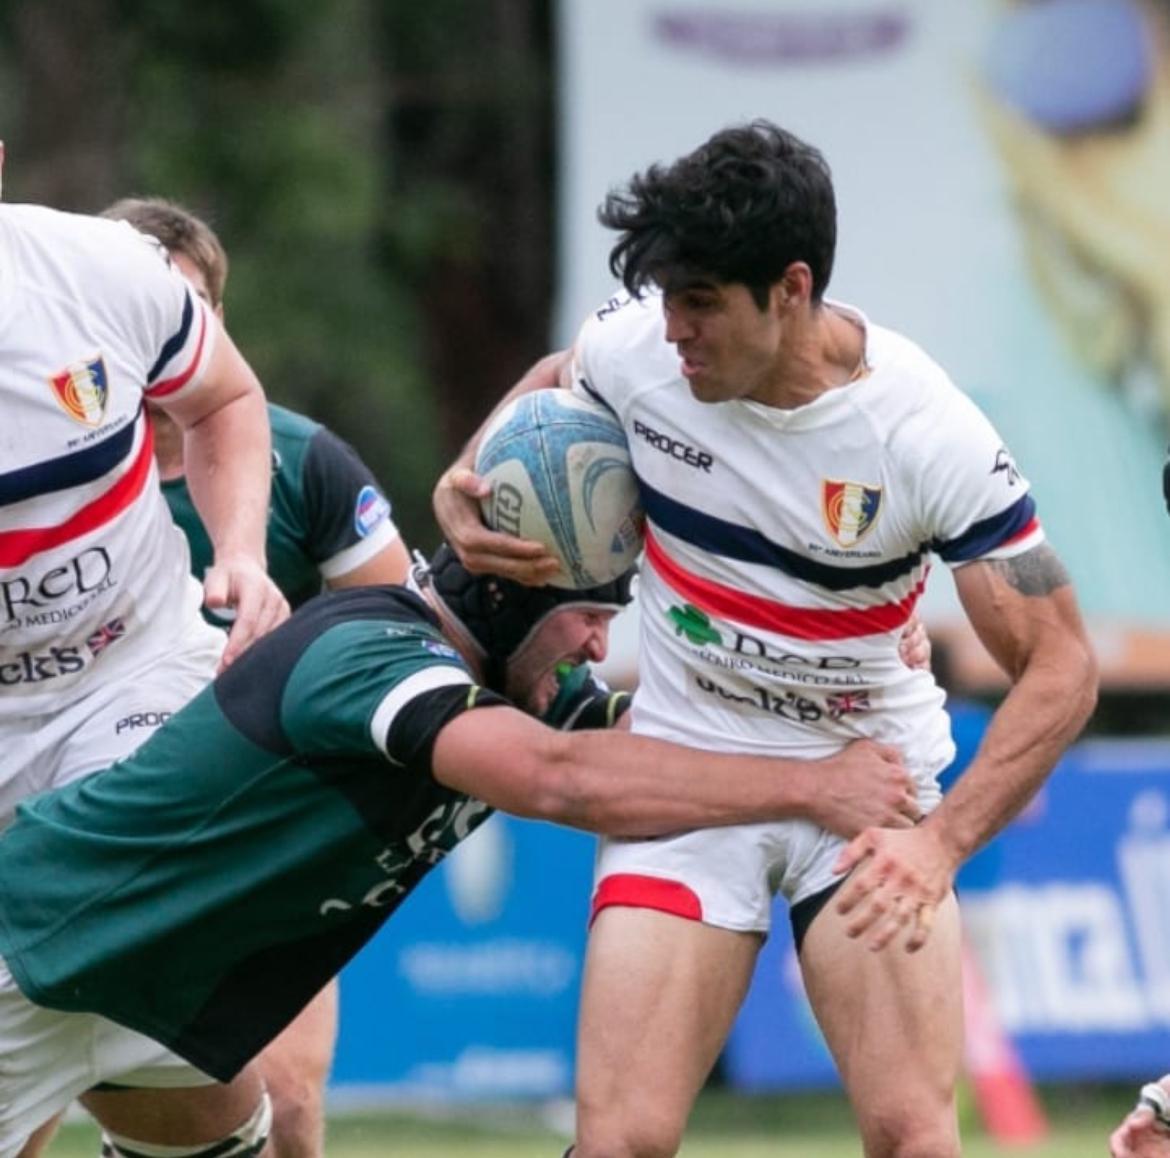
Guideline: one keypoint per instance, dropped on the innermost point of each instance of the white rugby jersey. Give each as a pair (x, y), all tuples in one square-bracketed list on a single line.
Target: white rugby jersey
[(93, 572), (786, 549)]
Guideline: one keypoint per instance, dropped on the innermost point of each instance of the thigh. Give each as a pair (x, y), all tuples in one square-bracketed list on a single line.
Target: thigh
[(659, 996), (147, 1093), (177, 1115), (893, 1022)]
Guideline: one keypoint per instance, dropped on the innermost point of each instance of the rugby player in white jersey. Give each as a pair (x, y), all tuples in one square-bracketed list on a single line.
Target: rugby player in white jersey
[(800, 466), (101, 637)]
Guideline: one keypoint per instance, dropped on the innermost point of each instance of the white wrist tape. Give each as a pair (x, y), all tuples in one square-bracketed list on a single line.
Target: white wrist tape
[(1156, 1098)]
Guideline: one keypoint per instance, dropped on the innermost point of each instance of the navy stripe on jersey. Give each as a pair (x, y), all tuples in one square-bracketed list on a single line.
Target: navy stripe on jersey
[(175, 342), (69, 470), (720, 537), (989, 533)]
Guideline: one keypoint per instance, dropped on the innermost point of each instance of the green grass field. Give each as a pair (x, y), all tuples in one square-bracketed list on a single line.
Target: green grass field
[(723, 1126)]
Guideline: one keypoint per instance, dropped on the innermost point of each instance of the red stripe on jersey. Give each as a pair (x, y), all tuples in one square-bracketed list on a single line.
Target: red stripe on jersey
[(755, 611), (635, 891), (170, 385), (17, 547), (1033, 525)]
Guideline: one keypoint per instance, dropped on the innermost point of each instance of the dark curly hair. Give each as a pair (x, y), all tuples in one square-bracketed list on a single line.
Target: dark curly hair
[(740, 208)]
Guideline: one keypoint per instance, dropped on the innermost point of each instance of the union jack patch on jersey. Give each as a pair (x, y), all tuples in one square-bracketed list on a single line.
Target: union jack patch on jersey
[(82, 390), (847, 703), (105, 635), (850, 509)]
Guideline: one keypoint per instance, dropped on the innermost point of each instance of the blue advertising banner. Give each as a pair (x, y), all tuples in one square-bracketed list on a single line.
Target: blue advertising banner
[(1069, 920), (471, 991)]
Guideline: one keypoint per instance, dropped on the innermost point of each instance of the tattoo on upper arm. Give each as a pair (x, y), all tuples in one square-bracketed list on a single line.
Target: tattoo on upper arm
[(1035, 572)]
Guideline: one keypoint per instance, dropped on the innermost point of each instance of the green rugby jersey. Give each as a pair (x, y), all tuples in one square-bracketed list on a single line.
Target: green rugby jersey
[(203, 889), (326, 516)]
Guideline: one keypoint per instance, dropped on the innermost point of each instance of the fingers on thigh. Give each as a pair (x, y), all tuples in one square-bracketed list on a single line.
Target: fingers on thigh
[(893, 1020)]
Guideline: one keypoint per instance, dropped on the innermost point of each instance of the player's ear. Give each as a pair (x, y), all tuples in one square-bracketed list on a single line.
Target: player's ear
[(795, 284)]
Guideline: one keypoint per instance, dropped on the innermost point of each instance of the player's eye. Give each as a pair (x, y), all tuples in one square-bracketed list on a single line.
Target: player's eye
[(699, 302)]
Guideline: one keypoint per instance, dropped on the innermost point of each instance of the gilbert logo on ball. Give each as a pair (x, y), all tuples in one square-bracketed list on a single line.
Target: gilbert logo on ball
[(560, 471)]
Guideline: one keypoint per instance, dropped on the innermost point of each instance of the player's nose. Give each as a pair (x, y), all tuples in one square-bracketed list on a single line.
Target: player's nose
[(597, 643)]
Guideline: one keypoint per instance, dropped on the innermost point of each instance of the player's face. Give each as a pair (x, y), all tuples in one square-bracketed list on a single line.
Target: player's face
[(573, 635), (729, 347)]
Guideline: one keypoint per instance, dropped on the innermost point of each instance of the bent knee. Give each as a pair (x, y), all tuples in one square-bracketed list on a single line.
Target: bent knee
[(615, 1134), (899, 1136)]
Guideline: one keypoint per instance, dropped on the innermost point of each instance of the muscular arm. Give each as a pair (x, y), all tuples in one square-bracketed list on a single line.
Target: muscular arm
[(1025, 613), (624, 785), (227, 447), (458, 491)]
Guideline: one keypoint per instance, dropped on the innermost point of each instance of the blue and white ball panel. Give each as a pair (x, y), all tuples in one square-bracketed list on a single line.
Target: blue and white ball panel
[(560, 471)]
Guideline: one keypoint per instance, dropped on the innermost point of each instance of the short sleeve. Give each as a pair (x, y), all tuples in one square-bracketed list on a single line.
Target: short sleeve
[(348, 517), (975, 502), (158, 313), (377, 687), (408, 725)]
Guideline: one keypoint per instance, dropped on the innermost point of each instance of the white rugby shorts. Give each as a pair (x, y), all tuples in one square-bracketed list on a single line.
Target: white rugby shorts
[(49, 1058), (47, 751), (726, 877)]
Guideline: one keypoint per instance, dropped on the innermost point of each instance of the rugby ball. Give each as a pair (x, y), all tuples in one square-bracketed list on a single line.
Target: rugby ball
[(560, 471)]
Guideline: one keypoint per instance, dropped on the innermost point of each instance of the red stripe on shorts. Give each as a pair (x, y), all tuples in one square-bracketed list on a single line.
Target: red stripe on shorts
[(636, 891)]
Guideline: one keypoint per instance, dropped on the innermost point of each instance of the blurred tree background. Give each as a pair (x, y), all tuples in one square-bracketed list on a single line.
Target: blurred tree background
[(380, 171)]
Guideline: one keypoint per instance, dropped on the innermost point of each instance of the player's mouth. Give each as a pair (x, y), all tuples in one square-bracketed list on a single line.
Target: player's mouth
[(548, 684)]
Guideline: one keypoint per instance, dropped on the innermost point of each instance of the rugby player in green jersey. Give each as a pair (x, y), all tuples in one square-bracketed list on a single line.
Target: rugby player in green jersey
[(199, 893), (329, 524)]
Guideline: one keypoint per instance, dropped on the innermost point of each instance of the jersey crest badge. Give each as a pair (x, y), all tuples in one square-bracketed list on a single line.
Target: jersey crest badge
[(82, 390), (850, 509)]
